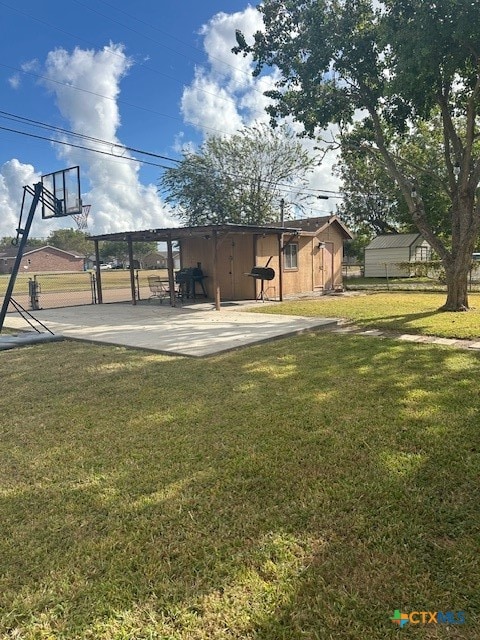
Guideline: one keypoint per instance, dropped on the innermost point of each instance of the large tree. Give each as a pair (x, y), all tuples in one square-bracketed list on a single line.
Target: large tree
[(237, 179), (388, 67), (370, 201), (70, 240), (373, 201)]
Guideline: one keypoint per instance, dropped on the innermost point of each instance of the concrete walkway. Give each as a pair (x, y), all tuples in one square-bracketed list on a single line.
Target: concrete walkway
[(407, 337), (197, 330)]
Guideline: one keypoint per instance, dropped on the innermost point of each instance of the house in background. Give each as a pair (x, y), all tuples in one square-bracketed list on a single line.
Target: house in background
[(41, 260), (159, 260), (385, 252)]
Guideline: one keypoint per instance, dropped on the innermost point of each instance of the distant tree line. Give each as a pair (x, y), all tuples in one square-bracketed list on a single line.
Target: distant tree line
[(77, 241)]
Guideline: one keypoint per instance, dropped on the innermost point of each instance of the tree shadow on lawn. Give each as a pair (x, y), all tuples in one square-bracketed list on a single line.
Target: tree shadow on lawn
[(304, 488), (403, 322)]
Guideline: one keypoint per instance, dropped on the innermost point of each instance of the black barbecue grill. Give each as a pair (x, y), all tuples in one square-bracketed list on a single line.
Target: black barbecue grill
[(187, 279), (264, 274)]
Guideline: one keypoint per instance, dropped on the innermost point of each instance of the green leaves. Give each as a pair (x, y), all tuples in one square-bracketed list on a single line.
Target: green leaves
[(392, 66), (70, 240), (237, 179)]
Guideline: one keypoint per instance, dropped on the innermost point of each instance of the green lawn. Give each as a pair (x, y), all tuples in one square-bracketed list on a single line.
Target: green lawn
[(304, 488), (400, 312)]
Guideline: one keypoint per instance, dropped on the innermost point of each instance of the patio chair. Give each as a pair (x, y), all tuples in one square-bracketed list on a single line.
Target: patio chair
[(158, 288)]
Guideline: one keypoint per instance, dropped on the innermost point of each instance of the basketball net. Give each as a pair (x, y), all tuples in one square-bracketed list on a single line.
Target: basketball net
[(82, 218)]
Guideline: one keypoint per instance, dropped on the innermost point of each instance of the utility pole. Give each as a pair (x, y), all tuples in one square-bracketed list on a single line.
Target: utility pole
[(282, 208)]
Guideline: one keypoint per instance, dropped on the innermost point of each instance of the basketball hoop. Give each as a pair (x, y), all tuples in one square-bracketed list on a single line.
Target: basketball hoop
[(82, 218)]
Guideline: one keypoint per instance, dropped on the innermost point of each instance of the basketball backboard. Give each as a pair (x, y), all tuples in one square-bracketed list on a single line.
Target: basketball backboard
[(61, 193)]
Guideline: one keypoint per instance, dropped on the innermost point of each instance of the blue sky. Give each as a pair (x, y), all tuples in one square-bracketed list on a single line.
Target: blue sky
[(154, 76)]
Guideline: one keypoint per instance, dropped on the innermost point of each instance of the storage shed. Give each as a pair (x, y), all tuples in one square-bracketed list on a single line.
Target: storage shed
[(305, 256), (385, 252)]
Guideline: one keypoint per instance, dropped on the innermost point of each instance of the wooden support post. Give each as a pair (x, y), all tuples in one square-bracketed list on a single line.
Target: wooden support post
[(98, 273), (170, 267), (216, 286), (255, 256), (280, 266), (132, 269)]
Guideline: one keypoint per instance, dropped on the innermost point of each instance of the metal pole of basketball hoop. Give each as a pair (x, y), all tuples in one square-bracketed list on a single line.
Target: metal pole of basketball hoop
[(36, 192), (56, 199)]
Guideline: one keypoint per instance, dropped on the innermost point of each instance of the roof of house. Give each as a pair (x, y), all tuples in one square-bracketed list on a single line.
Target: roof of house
[(315, 225), (394, 241), (11, 252), (161, 254)]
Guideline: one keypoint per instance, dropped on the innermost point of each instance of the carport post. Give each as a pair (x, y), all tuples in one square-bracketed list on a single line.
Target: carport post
[(280, 266), (132, 269), (170, 267), (98, 273), (216, 286)]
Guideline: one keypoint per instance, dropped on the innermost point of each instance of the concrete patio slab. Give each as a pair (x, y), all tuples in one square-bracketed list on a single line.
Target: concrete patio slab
[(194, 331)]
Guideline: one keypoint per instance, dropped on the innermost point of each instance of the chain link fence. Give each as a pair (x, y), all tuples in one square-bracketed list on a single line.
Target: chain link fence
[(67, 289)]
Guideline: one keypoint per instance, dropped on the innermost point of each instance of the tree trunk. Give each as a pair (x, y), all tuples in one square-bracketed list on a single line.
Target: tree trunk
[(457, 288)]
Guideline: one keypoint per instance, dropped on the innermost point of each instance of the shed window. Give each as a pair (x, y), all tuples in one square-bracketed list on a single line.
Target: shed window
[(423, 254), (290, 256)]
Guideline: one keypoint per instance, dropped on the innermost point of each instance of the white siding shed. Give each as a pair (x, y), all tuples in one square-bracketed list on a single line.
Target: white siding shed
[(384, 253)]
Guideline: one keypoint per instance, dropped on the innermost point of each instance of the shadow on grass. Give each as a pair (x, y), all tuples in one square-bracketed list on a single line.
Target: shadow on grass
[(306, 488), (400, 322)]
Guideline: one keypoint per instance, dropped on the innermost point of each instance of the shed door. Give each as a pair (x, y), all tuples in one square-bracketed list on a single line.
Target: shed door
[(323, 267), (328, 266), (235, 258)]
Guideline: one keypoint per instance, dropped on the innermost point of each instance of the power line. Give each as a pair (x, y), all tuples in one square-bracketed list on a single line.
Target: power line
[(99, 95), (77, 146), (287, 188), (23, 120), (113, 53)]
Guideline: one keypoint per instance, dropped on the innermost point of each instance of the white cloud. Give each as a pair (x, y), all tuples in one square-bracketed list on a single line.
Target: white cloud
[(13, 177), (14, 81), (224, 96), (118, 199)]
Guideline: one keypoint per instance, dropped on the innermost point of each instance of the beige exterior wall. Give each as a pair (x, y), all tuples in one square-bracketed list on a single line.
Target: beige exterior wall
[(235, 259), (319, 267)]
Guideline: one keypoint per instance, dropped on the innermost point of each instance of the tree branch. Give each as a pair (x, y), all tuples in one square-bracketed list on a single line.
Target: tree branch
[(415, 205)]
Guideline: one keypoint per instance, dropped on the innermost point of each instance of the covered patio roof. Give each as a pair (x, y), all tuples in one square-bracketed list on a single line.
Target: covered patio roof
[(213, 232), (179, 233)]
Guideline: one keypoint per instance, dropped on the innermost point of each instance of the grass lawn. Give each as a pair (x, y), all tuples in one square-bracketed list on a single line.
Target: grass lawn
[(400, 312), (304, 488)]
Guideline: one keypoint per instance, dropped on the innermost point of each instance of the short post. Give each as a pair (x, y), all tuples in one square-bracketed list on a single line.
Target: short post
[(132, 270), (93, 288), (216, 285), (171, 267), (33, 290), (98, 273)]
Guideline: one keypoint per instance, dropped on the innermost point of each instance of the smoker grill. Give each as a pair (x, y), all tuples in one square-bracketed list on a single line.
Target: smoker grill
[(187, 279), (264, 274)]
